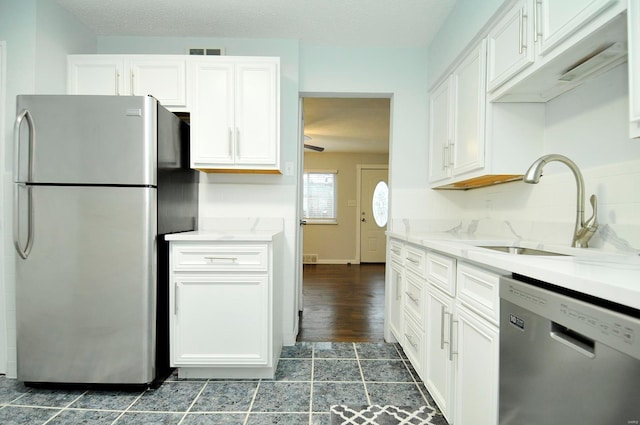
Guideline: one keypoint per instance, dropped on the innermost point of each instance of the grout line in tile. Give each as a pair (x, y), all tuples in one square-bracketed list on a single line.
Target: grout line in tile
[(129, 407), (193, 402), (364, 383), (253, 399), (313, 367), (64, 408)]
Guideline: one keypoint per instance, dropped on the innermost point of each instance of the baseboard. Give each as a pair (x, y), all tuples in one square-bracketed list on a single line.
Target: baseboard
[(336, 261)]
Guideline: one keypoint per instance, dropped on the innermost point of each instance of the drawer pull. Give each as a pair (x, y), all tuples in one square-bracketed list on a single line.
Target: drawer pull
[(210, 260), (397, 252), (411, 341), (413, 297), (443, 314), (413, 260)]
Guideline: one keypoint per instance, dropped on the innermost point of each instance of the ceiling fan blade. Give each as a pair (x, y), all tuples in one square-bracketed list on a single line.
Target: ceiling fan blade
[(314, 148)]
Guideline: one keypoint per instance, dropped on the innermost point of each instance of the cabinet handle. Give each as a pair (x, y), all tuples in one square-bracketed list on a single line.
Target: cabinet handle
[(523, 27), (412, 297), (411, 341), (398, 286), (395, 252), (451, 145), (444, 157), (237, 142), (443, 314), (230, 150), (536, 29), (212, 259), (175, 300), (451, 352), (133, 92), (414, 261), (520, 19), (117, 83)]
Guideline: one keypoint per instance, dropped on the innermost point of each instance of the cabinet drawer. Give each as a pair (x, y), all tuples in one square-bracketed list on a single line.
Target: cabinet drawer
[(478, 289), (413, 343), (441, 272), (395, 250), (415, 260), (228, 257), (414, 298)]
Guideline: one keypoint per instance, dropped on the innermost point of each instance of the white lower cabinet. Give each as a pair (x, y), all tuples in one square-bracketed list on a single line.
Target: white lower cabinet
[(224, 309), (394, 299), (438, 358), (460, 360), (476, 369)]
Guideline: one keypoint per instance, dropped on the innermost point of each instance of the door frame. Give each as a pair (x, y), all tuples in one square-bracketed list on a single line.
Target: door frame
[(361, 167)]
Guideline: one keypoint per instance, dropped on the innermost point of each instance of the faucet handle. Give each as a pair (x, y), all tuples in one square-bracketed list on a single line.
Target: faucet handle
[(593, 220)]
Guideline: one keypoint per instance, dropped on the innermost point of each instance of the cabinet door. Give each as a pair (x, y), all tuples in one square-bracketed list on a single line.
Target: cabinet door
[(440, 117), (633, 16), (558, 19), (510, 45), (164, 79), (394, 298), (256, 114), (476, 386), (95, 74), (469, 78), (437, 360), (220, 320), (212, 125)]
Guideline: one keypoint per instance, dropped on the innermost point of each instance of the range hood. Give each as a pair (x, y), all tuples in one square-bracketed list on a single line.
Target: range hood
[(596, 54)]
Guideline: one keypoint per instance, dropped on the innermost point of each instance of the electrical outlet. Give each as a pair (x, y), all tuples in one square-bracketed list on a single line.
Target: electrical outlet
[(288, 168)]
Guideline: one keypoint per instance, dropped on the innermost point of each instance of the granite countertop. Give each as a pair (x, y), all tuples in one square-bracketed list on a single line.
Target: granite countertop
[(607, 275), (224, 236)]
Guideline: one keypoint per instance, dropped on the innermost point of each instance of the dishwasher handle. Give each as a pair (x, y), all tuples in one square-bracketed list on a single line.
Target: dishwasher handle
[(572, 339)]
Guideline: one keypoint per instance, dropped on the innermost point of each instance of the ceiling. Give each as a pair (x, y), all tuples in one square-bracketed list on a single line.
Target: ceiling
[(347, 124), (339, 125), (374, 23)]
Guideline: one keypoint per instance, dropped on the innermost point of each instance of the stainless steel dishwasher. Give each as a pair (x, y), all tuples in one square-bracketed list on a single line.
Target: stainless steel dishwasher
[(566, 358)]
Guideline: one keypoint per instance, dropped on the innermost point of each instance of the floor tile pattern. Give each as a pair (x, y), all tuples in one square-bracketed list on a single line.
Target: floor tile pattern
[(311, 377)]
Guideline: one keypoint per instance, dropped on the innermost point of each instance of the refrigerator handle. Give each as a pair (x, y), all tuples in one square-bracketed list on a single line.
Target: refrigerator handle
[(24, 114), (23, 252)]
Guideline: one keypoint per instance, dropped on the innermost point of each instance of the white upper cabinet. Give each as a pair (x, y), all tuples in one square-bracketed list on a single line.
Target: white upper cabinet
[(556, 20), (457, 117), (235, 120), (440, 130), (95, 74), (161, 76), (633, 16), (536, 47), (510, 45)]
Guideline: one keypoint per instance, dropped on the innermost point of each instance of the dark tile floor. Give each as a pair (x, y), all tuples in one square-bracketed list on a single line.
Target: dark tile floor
[(310, 378)]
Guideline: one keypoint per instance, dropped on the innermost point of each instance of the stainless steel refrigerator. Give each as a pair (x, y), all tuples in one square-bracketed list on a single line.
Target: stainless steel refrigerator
[(98, 181)]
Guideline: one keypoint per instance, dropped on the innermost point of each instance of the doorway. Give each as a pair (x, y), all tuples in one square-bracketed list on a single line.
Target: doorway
[(343, 135)]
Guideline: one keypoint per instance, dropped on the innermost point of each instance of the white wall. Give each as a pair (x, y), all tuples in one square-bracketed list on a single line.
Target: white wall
[(338, 243), (399, 72)]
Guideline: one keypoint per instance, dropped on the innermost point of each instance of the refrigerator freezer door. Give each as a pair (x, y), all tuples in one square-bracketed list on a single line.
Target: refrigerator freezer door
[(88, 139), (86, 294)]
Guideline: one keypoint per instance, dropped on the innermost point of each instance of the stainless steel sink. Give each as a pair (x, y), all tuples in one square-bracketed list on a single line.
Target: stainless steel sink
[(516, 250)]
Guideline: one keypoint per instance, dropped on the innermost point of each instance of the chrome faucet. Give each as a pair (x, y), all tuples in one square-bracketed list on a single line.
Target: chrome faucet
[(584, 230)]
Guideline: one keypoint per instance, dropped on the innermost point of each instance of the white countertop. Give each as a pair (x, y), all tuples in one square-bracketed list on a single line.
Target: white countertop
[(224, 236), (608, 275)]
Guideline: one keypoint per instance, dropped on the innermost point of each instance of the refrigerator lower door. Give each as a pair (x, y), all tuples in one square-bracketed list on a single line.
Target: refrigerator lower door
[(86, 294)]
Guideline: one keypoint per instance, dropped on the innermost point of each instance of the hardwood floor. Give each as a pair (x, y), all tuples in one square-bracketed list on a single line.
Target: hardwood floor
[(343, 303)]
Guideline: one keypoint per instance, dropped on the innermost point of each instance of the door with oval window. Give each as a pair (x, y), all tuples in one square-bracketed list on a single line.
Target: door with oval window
[(374, 201)]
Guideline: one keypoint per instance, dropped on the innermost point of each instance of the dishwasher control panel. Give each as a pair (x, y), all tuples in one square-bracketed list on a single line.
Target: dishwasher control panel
[(595, 322)]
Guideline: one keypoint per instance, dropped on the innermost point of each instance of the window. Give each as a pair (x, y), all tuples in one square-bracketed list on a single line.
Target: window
[(319, 197)]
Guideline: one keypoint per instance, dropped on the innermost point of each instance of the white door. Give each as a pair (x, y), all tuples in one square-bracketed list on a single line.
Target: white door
[(165, 79), (101, 75), (374, 197)]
